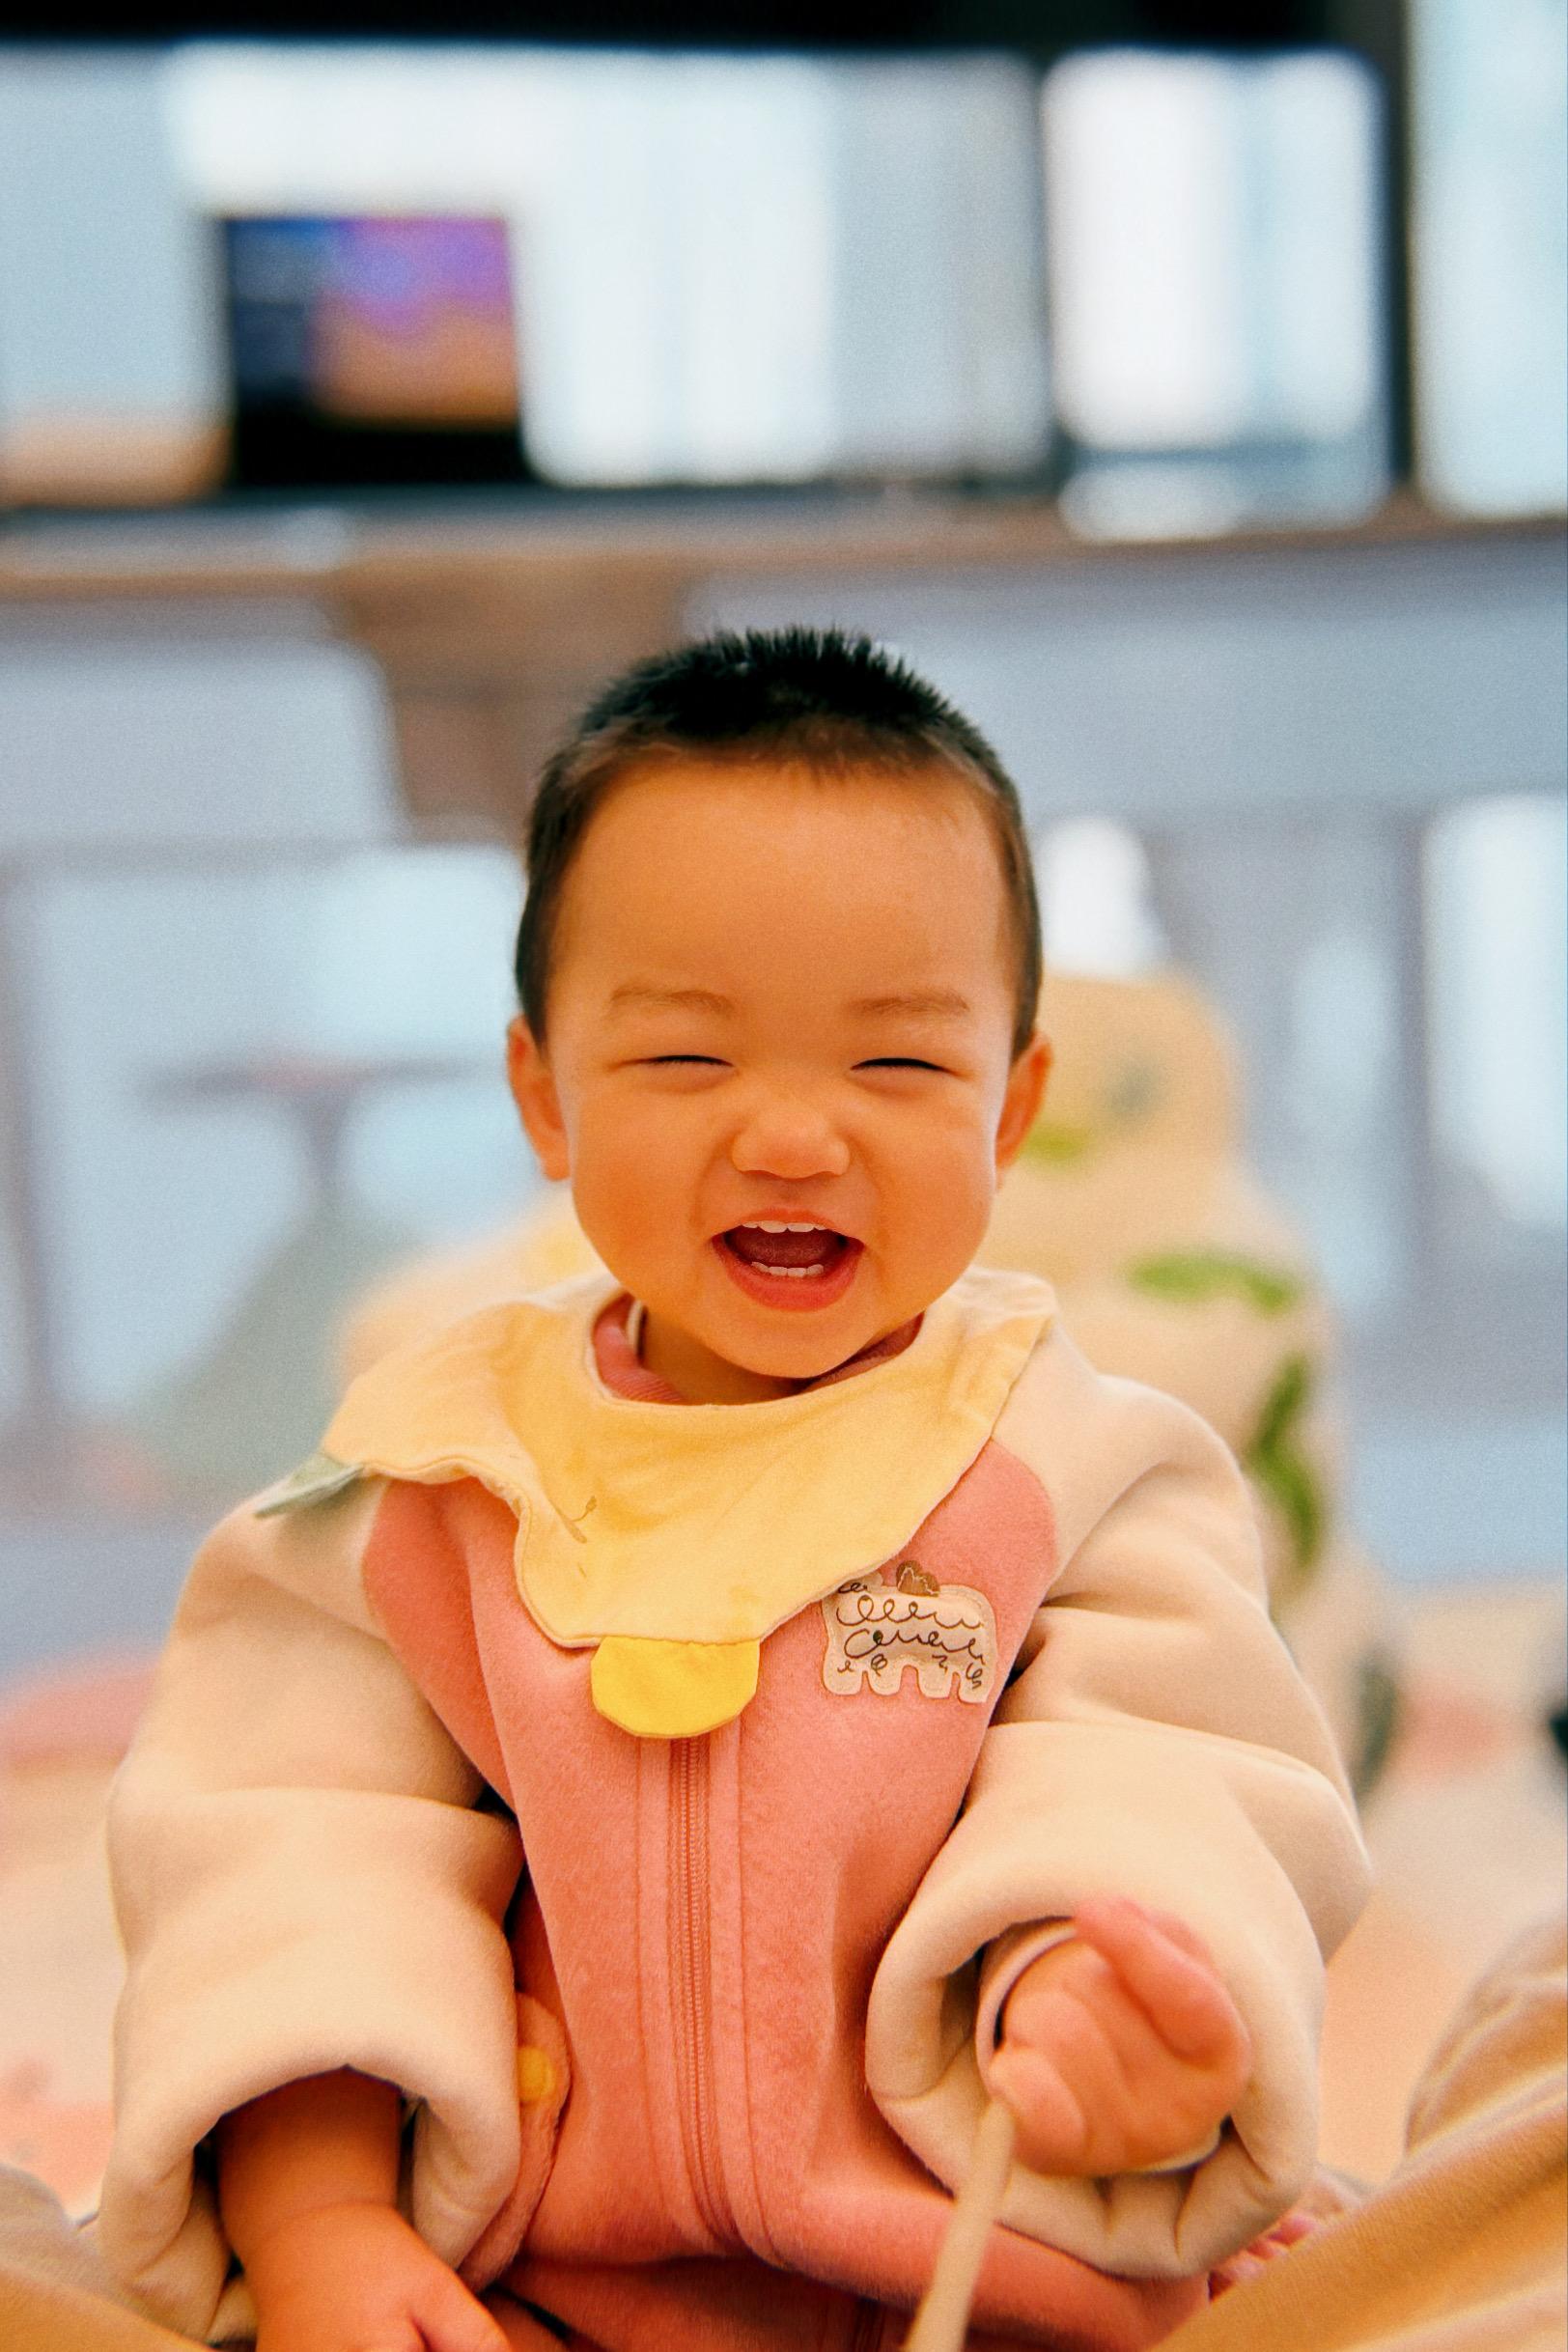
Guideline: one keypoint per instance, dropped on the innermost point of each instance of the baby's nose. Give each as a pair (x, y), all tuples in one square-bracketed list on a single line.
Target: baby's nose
[(791, 1139)]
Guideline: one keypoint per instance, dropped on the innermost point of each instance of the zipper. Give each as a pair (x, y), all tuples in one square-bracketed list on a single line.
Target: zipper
[(691, 1980)]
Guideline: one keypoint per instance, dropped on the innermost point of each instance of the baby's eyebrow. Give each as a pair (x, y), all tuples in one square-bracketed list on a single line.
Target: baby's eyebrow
[(643, 996), (941, 1004), (919, 1004)]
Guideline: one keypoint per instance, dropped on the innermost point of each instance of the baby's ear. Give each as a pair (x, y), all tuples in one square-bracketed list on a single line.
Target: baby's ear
[(1020, 1105), (539, 1105)]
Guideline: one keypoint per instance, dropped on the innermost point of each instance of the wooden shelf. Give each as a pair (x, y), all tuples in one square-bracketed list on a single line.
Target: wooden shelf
[(318, 548), (492, 626)]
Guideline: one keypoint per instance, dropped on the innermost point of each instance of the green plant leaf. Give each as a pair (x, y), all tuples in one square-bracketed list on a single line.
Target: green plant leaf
[(1048, 1145), (1275, 1461), (1189, 1277)]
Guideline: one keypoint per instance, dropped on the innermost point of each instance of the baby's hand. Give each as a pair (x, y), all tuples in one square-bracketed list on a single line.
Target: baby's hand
[(1121, 2047), (356, 2278)]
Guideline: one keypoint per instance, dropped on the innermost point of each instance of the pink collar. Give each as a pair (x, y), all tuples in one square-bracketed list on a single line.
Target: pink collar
[(624, 1373)]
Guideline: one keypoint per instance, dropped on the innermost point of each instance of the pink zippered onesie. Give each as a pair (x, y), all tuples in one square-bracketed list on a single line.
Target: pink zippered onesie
[(695, 2030)]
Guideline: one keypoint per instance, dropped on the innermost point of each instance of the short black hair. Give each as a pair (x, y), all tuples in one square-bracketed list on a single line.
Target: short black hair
[(821, 697)]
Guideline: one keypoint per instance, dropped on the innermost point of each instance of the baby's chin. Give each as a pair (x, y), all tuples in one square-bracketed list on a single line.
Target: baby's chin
[(744, 1346), (781, 1355), (805, 1355)]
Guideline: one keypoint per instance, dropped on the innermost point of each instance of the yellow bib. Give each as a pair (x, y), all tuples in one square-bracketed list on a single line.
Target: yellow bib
[(674, 1539)]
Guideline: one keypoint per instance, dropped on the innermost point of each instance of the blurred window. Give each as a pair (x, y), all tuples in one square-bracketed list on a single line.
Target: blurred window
[(1489, 243), (1338, 1102), (1095, 909), (111, 373), (180, 1113), (1497, 923), (1213, 227), (11, 1327)]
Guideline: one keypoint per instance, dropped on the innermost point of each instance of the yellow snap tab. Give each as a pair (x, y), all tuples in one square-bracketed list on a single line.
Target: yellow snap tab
[(672, 1689), (536, 2075)]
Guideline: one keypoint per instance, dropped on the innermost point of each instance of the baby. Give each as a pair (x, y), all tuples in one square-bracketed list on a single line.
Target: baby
[(608, 1824)]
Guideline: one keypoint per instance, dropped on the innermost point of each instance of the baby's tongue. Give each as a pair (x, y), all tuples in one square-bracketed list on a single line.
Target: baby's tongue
[(759, 1248)]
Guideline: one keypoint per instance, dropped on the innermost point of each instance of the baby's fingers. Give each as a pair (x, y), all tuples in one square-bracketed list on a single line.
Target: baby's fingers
[(1053, 2130), (1168, 1973), (452, 2320)]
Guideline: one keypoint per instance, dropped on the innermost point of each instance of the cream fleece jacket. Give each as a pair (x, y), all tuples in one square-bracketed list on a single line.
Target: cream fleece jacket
[(316, 1839)]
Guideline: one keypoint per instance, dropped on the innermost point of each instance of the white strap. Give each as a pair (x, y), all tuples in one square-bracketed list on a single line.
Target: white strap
[(942, 2322)]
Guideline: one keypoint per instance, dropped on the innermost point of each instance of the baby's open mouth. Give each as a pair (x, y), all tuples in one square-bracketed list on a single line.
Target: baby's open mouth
[(789, 1254)]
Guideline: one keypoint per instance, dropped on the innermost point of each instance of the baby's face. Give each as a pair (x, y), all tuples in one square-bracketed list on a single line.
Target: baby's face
[(779, 1000)]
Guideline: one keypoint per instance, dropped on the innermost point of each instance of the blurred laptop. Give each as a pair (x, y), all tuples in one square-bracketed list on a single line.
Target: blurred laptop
[(372, 351)]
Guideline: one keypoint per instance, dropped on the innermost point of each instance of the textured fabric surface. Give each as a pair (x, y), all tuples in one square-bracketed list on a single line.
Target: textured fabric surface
[(56, 2295), (1466, 2249)]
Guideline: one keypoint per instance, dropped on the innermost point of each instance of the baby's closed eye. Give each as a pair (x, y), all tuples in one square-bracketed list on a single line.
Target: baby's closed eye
[(903, 1061)]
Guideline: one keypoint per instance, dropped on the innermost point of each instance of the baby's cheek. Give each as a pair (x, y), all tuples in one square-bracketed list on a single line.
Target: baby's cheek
[(939, 1213), (623, 1187)]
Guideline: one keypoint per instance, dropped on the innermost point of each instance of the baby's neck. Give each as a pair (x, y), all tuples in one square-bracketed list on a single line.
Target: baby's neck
[(634, 1361), (698, 1377)]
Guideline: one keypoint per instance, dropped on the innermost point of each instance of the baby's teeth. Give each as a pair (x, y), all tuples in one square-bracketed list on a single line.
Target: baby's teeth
[(763, 1226), (791, 1273)]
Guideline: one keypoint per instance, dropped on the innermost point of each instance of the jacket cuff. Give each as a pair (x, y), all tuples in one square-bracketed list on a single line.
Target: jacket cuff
[(397, 1968)]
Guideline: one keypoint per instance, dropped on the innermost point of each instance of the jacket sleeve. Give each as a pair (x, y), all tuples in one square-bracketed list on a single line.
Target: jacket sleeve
[(302, 1883), (1156, 1742)]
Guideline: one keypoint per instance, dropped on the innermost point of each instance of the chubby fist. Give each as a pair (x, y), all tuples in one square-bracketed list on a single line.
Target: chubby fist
[(1121, 2047), (355, 2277)]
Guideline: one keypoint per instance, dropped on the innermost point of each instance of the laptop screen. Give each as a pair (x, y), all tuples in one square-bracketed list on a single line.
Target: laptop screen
[(373, 348)]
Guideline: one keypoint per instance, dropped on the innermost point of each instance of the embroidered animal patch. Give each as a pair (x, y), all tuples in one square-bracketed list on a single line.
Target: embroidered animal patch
[(877, 1627)]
